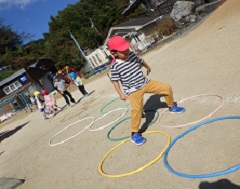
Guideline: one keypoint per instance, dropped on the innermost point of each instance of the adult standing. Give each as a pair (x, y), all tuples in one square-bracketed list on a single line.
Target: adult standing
[(59, 85)]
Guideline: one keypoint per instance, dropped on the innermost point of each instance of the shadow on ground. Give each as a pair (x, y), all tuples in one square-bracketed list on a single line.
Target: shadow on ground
[(85, 97), (8, 134), (151, 106), (220, 184), (10, 183)]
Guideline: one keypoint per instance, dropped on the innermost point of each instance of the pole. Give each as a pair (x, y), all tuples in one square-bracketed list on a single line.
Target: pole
[(4, 113), (93, 26), (74, 39)]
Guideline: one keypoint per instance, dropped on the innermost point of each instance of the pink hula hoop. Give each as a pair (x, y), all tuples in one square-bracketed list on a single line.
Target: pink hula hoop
[(194, 122)]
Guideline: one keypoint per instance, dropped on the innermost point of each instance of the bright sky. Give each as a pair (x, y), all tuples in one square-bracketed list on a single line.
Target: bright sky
[(31, 16)]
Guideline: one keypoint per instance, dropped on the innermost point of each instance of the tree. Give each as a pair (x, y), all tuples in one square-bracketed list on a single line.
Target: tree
[(57, 43), (9, 39), (6, 74)]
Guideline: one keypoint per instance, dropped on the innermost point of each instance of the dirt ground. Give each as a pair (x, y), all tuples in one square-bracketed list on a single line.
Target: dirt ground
[(203, 61)]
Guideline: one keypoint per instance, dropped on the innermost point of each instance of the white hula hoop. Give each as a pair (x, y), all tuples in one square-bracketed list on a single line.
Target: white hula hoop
[(104, 115), (63, 141), (194, 122)]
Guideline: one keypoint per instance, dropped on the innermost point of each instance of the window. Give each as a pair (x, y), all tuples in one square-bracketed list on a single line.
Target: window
[(7, 90), (13, 87), (17, 84)]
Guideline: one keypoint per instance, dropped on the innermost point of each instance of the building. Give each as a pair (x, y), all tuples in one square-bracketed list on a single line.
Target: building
[(98, 58), (137, 31), (16, 90)]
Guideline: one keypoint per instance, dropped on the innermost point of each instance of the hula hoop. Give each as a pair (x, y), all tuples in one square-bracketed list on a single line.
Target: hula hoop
[(194, 122), (125, 137), (63, 141), (229, 170), (139, 169), (111, 101), (104, 115)]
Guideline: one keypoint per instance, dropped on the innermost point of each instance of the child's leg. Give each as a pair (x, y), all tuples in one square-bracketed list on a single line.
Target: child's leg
[(52, 109), (136, 100), (85, 92), (81, 89), (157, 87), (29, 106), (43, 113), (70, 96), (58, 107), (66, 98)]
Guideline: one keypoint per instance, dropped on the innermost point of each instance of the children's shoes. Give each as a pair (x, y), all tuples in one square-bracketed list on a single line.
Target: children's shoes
[(138, 139), (176, 109)]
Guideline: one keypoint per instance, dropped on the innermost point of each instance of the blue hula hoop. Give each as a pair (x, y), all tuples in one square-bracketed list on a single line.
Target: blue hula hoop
[(229, 170)]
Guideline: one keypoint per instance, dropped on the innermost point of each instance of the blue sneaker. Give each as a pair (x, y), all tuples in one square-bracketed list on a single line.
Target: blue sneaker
[(86, 95), (52, 112), (46, 118), (138, 139), (176, 109)]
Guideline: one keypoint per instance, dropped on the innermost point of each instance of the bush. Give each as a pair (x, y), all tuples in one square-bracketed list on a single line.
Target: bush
[(6, 74), (165, 26)]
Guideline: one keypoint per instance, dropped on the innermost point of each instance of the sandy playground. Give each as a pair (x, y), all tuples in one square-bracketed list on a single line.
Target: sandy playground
[(203, 61)]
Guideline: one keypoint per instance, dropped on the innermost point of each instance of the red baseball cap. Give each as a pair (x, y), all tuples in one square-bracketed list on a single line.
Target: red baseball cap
[(44, 92), (118, 43)]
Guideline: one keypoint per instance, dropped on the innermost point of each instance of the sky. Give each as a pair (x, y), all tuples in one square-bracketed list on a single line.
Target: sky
[(31, 16)]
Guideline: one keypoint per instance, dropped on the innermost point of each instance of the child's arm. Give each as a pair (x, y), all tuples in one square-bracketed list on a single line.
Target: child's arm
[(117, 87), (147, 67)]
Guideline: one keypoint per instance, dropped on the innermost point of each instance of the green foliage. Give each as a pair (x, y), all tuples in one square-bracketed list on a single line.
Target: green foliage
[(57, 43), (6, 74), (9, 39)]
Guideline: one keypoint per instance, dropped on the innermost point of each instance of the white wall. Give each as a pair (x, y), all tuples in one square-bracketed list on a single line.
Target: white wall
[(97, 58)]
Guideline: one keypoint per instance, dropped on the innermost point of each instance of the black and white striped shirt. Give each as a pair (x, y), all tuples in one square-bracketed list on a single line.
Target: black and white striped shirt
[(129, 73)]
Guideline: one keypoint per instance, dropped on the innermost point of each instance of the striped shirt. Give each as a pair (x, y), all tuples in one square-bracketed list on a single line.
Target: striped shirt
[(129, 73)]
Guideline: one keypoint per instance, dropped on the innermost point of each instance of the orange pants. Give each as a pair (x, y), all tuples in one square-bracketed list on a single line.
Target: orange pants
[(136, 100)]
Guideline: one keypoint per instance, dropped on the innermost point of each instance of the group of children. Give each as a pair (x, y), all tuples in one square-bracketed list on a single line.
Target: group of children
[(46, 103), (125, 69)]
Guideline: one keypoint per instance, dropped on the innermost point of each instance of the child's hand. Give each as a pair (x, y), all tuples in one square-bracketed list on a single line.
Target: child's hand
[(123, 97), (148, 70)]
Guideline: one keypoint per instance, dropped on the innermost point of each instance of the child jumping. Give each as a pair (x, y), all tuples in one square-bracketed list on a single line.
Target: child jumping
[(77, 80), (60, 87), (50, 101), (126, 69), (40, 104)]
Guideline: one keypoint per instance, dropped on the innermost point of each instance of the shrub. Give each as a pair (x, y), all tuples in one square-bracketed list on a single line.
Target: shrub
[(165, 26), (6, 74)]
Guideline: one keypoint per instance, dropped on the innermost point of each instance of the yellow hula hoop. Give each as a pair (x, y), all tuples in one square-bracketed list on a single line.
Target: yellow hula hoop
[(139, 169)]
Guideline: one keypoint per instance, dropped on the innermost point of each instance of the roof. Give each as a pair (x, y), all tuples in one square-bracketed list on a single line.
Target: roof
[(33, 65), (133, 24), (43, 64), (13, 76), (137, 21)]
